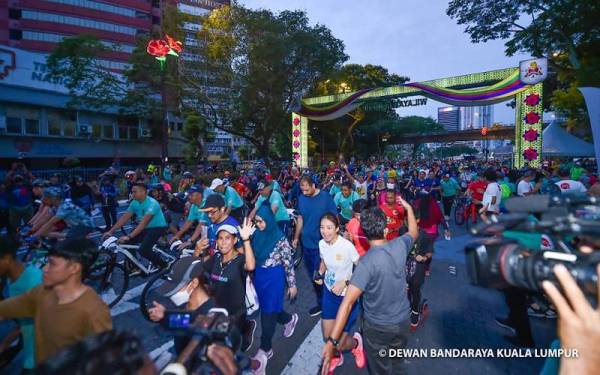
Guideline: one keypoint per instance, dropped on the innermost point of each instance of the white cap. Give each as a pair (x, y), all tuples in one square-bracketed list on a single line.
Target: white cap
[(215, 183), (229, 229)]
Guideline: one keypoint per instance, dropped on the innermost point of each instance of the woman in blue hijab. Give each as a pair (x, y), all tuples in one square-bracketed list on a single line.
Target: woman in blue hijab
[(274, 269)]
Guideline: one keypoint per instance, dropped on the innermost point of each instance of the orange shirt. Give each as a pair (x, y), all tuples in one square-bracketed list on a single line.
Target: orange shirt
[(358, 236)]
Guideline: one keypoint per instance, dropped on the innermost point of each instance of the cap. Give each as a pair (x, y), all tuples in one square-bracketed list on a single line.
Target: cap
[(182, 272), (262, 184), (215, 183), (187, 175), (129, 173), (40, 183), (52, 192), (195, 189), (213, 201), (228, 228)]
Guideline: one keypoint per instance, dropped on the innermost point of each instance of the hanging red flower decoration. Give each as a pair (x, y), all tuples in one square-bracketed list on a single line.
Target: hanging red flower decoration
[(296, 156), (296, 133), (530, 154), (175, 45), (158, 48), (296, 144), (532, 118), (296, 121), (531, 135), (532, 100)]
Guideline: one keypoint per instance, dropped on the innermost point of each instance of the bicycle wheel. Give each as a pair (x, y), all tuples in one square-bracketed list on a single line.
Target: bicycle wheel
[(149, 293), (459, 214), (109, 279), (297, 254)]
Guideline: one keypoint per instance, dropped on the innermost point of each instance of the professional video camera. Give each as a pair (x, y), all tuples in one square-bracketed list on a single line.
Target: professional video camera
[(216, 327), (567, 223)]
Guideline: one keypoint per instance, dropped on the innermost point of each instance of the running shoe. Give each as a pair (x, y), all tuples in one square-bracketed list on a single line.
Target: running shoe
[(259, 361), (290, 326), (414, 320), (336, 361), (248, 335), (505, 323), (315, 311), (359, 352)]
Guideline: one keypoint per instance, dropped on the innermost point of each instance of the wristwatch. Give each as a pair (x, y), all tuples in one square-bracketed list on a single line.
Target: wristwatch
[(347, 282), (333, 341)]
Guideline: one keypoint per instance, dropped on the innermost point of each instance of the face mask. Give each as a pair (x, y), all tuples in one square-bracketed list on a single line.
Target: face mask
[(181, 297)]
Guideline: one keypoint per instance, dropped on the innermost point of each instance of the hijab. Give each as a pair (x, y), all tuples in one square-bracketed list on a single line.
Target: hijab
[(264, 242)]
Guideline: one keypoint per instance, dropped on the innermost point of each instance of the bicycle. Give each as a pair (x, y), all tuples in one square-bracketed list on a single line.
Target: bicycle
[(118, 263), (465, 212)]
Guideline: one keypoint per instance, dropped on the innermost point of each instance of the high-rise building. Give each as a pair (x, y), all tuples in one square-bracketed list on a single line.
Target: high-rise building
[(449, 118), (476, 117), (38, 25)]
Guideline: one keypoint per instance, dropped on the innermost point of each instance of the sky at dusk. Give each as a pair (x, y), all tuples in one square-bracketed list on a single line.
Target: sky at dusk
[(413, 38)]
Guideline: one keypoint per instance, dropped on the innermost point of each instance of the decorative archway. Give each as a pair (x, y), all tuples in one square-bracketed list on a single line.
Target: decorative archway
[(524, 83)]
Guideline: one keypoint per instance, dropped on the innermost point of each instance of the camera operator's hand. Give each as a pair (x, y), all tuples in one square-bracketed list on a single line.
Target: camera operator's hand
[(157, 313), (578, 324), (222, 357)]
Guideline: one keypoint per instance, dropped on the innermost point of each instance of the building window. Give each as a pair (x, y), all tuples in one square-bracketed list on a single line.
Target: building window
[(13, 125), (133, 133), (32, 127), (123, 132), (53, 125), (69, 128), (76, 21), (15, 34), (108, 132), (96, 131), (14, 14), (98, 6)]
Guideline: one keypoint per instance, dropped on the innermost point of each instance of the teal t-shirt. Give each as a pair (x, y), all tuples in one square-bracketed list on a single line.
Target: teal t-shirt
[(449, 188), (276, 186), (232, 198), (196, 215), (281, 214), (30, 278), (148, 207), (345, 203), (334, 190)]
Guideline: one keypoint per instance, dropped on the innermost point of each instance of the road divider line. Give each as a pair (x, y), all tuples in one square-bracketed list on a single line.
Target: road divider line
[(161, 349), (307, 358)]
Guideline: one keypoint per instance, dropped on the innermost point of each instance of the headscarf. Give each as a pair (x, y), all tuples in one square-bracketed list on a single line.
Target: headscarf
[(263, 242)]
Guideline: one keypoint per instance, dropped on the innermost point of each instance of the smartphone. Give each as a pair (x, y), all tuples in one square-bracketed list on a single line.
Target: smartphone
[(204, 232), (178, 320)]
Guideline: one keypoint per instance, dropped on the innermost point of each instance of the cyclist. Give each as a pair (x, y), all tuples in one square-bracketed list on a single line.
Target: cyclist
[(172, 205), (129, 181), (234, 203), (81, 194), (152, 224), (187, 180), (42, 213), (196, 198), (78, 221)]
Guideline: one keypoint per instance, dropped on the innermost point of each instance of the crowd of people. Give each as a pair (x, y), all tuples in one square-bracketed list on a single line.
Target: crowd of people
[(367, 229)]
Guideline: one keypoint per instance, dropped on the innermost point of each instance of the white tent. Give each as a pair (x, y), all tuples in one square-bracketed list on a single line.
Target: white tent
[(558, 142)]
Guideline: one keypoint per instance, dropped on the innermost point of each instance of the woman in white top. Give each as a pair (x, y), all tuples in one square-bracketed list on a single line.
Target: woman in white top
[(492, 195), (338, 257)]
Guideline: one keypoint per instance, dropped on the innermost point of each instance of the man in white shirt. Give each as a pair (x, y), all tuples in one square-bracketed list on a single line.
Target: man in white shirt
[(525, 188), (568, 186), (492, 195)]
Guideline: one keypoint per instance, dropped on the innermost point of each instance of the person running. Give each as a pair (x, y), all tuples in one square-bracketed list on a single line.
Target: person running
[(378, 277), (78, 222), (20, 201), (354, 232), (338, 256), (233, 202), (21, 278), (152, 224), (394, 213), (274, 269), (429, 217), (215, 209), (343, 201), (312, 205), (449, 188), (64, 310), (360, 183)]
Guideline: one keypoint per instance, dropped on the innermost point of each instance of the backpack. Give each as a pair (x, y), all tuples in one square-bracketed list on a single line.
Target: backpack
[(505, 191)]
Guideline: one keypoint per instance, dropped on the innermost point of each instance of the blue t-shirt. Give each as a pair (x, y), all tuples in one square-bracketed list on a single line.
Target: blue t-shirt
[(73, 215), (30, 278), (213, 229), (345, 203), (311, 209), (148, 207)]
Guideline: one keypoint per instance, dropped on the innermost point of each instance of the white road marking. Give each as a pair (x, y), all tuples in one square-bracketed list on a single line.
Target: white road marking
[(307, 358), (123, 307), (161, 349)]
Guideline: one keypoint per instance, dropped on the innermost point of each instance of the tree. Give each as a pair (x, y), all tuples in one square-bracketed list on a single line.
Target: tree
[(350, 78), (196, 132), (567, 31), (262, 61)]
